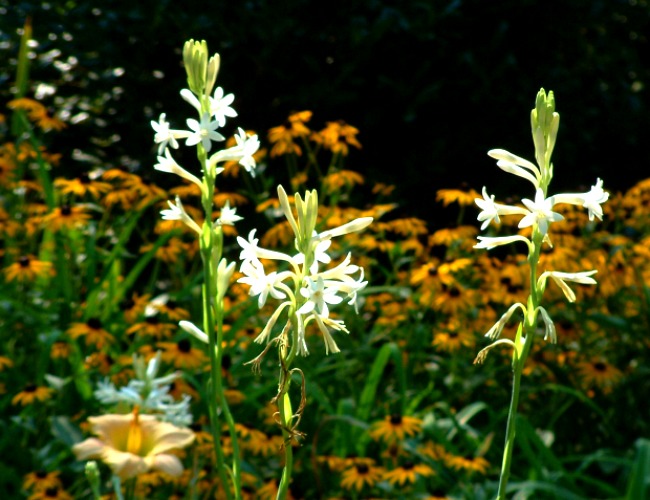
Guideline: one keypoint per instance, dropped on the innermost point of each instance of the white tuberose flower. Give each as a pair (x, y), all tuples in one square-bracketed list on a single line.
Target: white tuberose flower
[(540, 212), (228, 215), (491, 210), (168, 164), (319, 297), (177, 212), (220, 106), (591, 200), (560, 279), (517, 165), (163, 134), (204, 132)]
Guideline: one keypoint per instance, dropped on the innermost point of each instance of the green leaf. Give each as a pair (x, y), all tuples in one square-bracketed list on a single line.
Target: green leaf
[(367, 399), (638, 485)]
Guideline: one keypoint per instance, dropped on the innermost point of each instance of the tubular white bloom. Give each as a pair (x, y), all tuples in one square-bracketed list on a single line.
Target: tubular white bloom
[(318, 297), (224, 273), (164, 135), (489, 242), (349, 227), (491, 210), (480, 357), (350, 288), (204, 132), (266, 332), (323, 324), (250, 250), (220, 106), (591, 200), (261, 284), (541, 212), (560, 279), (549, 326), (247, 146), (517, 166), (189, 96), (177, 212), (494, 332), (228, 215), (168, 164), (320, 255), (194, 330)]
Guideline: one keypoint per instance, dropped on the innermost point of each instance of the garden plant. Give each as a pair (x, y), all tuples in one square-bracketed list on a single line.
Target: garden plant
[(264, 323)]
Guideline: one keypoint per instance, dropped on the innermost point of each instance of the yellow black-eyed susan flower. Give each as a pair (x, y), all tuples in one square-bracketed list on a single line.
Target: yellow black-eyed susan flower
[(52, 493), (467, 463), (452, 338), (337, 180), (42, 480), (463, 198), (134, 307), (337, 137), (599, 373), (28, 268), (395, 427), (151, 326), (81, 186), (93, 333), (260, 443), (66, 217), (99, 361), (30, 394), (361, 473), (5, 363), (408, 473), (171, 309), (182, 355), (283, 136), (60, 350)]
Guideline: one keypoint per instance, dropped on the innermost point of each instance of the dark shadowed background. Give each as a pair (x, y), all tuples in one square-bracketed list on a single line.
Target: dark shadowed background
[(432, 85)]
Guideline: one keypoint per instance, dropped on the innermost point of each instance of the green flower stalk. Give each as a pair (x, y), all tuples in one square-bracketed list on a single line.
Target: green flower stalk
[(306, 293), (212, 110), (537, 214)]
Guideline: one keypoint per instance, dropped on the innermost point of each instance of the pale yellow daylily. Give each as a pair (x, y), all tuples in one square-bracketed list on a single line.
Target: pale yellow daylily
[(133, 444)]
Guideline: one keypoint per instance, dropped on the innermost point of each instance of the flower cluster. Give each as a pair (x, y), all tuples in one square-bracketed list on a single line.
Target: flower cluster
[(149, 392), (538, 215), (311, 290), (213, 110)]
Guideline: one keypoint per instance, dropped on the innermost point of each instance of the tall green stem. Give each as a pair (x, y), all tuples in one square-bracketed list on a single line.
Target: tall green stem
[(519, 360), (211, 245), (285, 409)]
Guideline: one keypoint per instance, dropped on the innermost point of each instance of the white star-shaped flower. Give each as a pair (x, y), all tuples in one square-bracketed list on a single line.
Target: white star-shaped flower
[(204, 132), (541, 212)]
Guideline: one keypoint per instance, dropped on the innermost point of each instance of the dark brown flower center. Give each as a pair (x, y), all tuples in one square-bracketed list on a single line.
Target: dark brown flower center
[(30, 388), (396, 419), (184, 346), (23, 261), (94, 324), (66, 210), (362, 468), (152, 320), (599, 366)]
